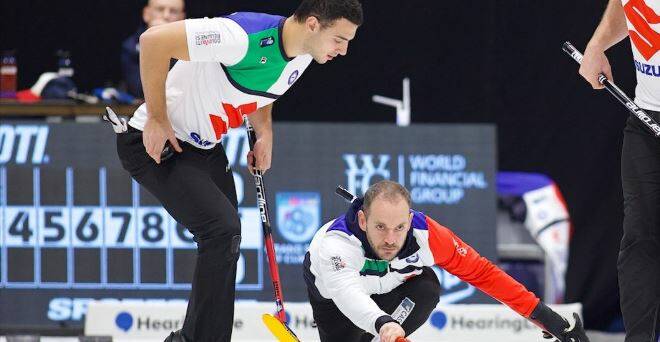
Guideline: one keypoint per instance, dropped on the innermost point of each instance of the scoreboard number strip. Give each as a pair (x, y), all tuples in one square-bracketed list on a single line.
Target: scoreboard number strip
[(88, 226), (98, 227), (103, 227)]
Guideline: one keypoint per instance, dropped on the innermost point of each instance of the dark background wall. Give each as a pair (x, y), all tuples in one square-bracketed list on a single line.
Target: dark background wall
[(469, 61)]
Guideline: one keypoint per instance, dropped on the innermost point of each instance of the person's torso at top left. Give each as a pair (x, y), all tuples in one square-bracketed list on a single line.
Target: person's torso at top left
[(248, 69)]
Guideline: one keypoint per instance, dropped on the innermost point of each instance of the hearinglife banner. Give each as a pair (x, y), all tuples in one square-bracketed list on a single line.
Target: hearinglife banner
[(74, 227), (447, 322)]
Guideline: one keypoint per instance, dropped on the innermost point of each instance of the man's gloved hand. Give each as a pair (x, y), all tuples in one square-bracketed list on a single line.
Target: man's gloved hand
[(556, 326), (574, 333), (119, 125)]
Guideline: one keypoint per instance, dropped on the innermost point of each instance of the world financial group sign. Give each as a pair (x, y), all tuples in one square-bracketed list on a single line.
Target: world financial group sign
[(431, 178)]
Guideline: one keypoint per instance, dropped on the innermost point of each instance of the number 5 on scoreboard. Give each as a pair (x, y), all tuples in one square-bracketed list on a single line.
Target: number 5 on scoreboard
[(54, 227)]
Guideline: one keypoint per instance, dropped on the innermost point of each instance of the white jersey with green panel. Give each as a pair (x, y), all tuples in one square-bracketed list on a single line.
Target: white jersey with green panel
[(237, 65)]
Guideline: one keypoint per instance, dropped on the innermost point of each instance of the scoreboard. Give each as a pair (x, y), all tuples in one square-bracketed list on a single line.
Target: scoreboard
[(128, 246), (75, 227)]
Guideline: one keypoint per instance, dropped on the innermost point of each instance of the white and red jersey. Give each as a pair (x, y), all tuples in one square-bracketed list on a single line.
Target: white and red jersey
[(342, 266), (237, 65), (643, 18)]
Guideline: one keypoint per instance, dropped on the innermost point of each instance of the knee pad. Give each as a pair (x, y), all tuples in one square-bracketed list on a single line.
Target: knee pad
[(226, 247), (235, 247)]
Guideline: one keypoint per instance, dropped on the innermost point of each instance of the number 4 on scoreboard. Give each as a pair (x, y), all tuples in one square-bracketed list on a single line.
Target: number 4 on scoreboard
[(20, 224)]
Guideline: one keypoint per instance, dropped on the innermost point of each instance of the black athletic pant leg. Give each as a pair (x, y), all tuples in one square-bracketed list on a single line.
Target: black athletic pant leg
[(423, 290), (639, 254), (196, 187)]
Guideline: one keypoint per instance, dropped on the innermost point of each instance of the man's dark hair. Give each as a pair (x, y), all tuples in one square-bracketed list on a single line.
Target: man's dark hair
[(390, 191), (327, 11)]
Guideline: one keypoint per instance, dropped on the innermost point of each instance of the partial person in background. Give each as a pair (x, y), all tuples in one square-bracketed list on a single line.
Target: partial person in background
[(639, 253), (155, 13)]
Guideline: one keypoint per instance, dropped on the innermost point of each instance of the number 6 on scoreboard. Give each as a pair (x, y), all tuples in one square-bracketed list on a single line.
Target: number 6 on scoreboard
[(86, 225)]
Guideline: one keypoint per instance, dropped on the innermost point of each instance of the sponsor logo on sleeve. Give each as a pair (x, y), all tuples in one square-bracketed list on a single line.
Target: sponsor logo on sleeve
[(207, 38), (337, 263), (462, 251)]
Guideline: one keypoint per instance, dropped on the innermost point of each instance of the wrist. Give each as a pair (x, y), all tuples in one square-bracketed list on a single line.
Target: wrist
[(549, 320), (595, 46), (159, 119), (382, 320), (265, 134)]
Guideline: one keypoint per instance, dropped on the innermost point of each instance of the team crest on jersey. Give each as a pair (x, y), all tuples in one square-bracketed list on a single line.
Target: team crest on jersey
[(268, 41), (293, 77), (413, 258), (263, 60)]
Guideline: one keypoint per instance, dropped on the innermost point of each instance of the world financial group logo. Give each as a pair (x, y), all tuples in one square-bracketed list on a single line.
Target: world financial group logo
[(362, 168), (430, 178)]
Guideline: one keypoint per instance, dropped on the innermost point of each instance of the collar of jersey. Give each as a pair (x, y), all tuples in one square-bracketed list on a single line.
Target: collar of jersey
[(280, 33)]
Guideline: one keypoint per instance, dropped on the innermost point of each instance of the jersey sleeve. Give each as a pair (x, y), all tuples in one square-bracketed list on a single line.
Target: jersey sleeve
[(461, 260), (216, 40), (339, 270)]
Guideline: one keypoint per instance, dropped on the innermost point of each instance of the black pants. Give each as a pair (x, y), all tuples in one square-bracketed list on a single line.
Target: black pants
[(197, 188), (639, 255), (423, 290)]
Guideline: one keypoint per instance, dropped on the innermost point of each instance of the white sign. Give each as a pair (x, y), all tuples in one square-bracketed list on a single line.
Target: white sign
[(484, 322), (154, 321), (146, 321)]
